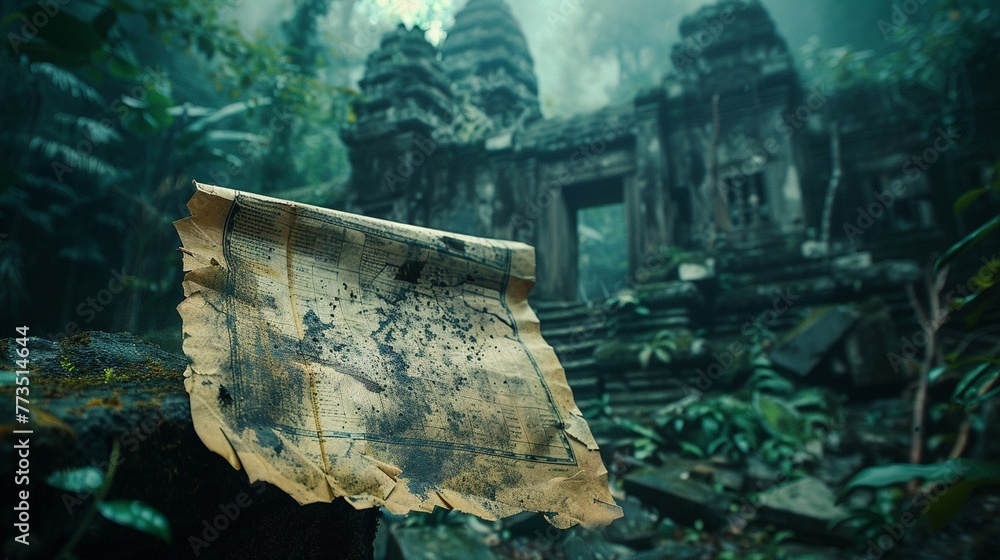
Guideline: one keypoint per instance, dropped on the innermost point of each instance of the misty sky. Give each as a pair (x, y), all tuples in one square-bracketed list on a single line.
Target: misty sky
[(572, 41), (568, 71)]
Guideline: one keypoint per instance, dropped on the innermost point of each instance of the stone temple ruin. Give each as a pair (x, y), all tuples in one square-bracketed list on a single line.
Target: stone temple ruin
[(729, 158)]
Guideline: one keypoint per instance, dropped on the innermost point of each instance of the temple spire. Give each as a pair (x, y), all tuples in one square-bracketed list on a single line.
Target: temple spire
[(487, 59)]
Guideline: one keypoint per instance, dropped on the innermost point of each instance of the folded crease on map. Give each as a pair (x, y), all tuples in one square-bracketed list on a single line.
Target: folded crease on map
[(336, 355)]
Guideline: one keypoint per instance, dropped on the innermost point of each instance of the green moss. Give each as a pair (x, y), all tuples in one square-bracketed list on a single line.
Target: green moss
[(148, 370), (112, 402), (82, 339), (66, 364)]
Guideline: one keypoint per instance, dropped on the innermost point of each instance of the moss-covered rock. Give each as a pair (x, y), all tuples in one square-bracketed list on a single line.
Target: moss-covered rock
[(93, 390)]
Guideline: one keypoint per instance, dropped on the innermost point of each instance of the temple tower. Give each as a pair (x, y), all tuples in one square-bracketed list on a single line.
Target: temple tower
[(487, 59), (731, 51), (405, 108)]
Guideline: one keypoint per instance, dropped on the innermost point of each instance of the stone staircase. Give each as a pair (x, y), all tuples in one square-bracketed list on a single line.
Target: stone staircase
[(773, 288)]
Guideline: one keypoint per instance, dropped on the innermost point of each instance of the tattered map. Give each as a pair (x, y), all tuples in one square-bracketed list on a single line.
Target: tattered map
[(337, 355)]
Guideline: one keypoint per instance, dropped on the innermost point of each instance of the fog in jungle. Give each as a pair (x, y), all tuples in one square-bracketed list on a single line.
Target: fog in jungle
[(588, 53)]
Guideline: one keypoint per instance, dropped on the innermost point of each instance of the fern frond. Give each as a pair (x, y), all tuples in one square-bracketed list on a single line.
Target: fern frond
[(92, 129), (67, 81), (72, 157), (47, 184)]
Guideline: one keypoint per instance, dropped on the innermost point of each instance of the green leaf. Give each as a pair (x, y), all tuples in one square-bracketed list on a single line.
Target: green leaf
[(709, 425), (969, 381), (762, 364), (968, 198), (981, 473), (12, 16), (742, 442), (780, 386), (235, 136), (858, 518), (644, 356), (91, 129), (644, 448), (639, 429), (662, 355), (984, 397), (72, 157), (935, 373), (947, 505), (84, 479), (809, 398), (980, 307), (782, 536), (124, 66), (692, 449), (67, 81), (816, 419), (159, 101), (719, 443), (988, 275), (664, 334), (227, 111), (137, 515), (779, 417), (963, 245), (766, 379), (889, 475)]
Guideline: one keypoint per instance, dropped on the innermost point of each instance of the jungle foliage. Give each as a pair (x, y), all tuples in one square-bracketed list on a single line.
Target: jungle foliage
[(114, 107)]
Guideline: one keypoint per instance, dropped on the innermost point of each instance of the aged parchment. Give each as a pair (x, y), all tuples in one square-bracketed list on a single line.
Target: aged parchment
[(338, 355)]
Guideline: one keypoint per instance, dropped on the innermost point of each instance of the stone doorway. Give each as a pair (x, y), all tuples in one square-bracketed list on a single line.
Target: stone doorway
[(593, 258), (602, 251)]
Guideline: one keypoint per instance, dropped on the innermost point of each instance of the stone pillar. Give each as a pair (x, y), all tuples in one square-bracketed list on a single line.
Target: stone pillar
[(556, 251), (634, 217), (647, 200)]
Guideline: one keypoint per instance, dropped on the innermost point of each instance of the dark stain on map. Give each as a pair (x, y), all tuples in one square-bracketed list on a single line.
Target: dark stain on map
[(410, 271)]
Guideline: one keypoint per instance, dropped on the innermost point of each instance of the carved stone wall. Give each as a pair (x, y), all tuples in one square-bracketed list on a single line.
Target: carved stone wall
[(457, 142)]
